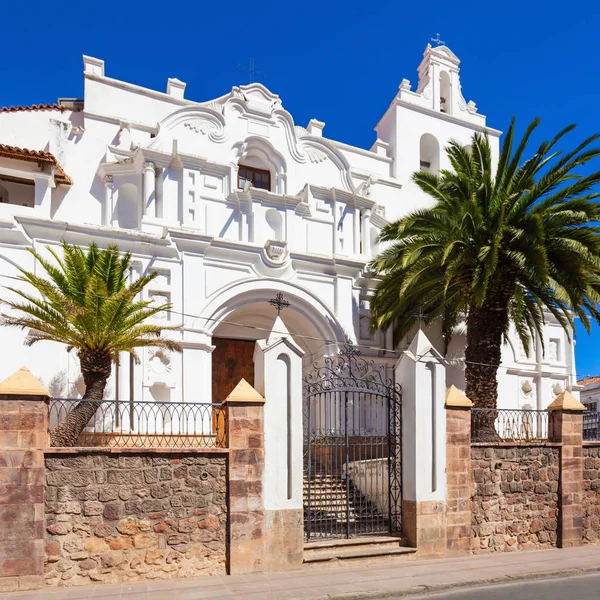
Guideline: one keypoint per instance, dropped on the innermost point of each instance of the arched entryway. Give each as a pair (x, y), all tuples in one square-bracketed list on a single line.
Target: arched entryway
[(241, 314)]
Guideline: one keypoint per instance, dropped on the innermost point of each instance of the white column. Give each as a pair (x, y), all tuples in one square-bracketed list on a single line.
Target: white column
[(149, 190), (336, 220), (435, 83), (366, 237), (159, 178), (107, 206), (278, 377), (421, 372), (356, 230)]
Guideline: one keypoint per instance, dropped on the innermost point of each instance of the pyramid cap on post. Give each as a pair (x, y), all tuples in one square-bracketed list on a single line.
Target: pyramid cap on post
[(456, 399), (244, 393), (566, 401), (22, 383)]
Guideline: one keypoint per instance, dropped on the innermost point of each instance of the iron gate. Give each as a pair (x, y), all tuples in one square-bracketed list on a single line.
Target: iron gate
[(352, 449)]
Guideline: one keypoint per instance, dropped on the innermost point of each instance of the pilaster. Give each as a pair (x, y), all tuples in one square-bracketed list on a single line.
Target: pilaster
[(366, 233), (107, 205), (149, 190)]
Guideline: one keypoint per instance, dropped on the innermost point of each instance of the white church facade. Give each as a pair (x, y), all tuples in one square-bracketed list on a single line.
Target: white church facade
[(231, 202)]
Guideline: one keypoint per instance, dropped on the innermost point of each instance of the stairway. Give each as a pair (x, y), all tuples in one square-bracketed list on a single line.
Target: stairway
[(338, 552), (329, 514)]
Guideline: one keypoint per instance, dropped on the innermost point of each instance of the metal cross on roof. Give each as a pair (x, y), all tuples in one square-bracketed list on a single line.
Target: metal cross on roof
[(252, 72), (279, 303), (436, 40), (419, 316)]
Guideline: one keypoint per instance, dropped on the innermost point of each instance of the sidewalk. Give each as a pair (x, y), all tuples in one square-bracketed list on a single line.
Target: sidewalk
[(344, 582)]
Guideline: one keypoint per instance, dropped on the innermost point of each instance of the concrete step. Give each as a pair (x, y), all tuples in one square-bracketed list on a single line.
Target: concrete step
[(383, 541), (330, 551)]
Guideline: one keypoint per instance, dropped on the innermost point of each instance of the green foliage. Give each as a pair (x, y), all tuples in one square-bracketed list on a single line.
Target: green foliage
[(87, 303), (524, 229)]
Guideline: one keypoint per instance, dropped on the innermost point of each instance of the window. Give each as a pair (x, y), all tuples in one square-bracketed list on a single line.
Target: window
[(17, 191), (258, 178), (429, 153)]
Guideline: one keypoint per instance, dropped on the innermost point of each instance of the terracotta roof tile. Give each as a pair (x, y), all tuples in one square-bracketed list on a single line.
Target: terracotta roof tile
[(6, 109), (589, 380), (39, 156)]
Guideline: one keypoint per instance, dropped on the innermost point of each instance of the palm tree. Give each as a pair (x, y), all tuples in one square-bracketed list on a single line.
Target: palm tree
[(511, 242), (87, 303)]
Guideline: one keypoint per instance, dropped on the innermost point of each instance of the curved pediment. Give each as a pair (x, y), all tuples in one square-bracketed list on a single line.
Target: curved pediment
[(248, 111)]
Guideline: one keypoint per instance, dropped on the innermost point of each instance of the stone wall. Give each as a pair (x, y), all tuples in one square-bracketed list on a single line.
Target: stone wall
[(120, 517), (514, 498), (591, 494)]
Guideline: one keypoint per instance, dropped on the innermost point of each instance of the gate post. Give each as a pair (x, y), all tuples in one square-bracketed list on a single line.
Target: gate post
[(278, 377), (566, 428), (421, 372), (23, 438), (458, 472), (245, 440)]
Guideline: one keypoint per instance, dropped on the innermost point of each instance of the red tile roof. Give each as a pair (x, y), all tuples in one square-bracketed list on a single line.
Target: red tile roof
[(6, 109), (39, 156), (589, 380)]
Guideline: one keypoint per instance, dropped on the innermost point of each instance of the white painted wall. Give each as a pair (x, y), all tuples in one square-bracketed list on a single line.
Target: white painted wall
[(223, 251)]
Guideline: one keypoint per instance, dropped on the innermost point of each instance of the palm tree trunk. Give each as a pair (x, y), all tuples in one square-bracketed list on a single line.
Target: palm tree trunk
[(485, 328), (95, 368)]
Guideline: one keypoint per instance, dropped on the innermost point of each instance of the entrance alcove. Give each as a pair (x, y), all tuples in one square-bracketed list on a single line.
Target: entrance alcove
[(249, 317)]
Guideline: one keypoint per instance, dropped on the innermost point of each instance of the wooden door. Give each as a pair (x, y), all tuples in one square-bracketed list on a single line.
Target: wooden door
[(231, 360)]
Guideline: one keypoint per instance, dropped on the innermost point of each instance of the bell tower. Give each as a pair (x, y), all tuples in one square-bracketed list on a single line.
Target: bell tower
[(419, 123), (439, 80)]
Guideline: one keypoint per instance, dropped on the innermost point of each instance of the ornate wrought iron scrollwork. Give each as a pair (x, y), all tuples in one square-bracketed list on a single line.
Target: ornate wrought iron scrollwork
[(349, 370), (352, 448)]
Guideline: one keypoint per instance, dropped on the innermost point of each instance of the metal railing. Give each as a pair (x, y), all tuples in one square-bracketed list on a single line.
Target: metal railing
[(591, 426), (504, 425), (124, 424)]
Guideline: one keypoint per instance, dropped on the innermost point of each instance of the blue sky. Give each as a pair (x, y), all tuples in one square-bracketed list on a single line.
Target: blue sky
[(338, 62)]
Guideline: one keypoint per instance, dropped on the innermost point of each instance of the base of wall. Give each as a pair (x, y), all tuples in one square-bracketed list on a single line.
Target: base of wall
[(21, 518), (284, 539), (424, 525), (246, 543)]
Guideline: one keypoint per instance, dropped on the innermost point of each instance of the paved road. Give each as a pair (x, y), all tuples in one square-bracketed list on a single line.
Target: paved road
[(582, 587)]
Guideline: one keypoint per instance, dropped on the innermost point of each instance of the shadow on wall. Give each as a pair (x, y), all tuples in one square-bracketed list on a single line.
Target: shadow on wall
[(59, 386)]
